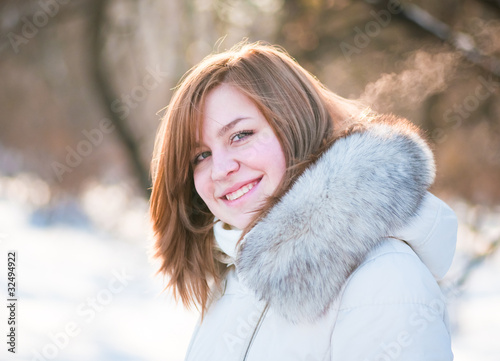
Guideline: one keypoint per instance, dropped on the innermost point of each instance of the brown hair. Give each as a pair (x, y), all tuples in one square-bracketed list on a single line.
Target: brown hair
[(304, 115)]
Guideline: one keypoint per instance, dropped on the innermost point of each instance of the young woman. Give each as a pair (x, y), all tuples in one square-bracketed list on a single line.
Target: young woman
[(297, 221)]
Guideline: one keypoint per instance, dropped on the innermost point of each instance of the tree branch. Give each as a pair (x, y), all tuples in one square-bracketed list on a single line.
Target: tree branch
[(460, 41)]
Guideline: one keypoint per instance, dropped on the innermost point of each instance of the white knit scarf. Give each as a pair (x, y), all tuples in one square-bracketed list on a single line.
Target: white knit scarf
[(226, 240)]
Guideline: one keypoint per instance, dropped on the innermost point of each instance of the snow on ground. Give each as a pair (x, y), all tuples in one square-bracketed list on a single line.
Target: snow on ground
[(87, 290), (84, 295)]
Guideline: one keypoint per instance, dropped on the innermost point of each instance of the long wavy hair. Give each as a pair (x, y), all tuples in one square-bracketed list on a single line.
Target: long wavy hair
[(304, 115)]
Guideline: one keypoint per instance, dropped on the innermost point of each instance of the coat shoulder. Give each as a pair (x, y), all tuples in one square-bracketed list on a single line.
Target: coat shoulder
[(390, 274), (391, 308)]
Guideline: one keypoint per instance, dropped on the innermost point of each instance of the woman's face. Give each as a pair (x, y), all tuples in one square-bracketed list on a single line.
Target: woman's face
[(239, 162)]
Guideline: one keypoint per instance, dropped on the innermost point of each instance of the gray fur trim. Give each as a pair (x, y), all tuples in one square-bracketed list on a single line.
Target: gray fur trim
[(301, 253)]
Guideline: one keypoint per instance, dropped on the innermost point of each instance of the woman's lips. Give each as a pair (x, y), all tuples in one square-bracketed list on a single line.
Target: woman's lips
[(241, 191)]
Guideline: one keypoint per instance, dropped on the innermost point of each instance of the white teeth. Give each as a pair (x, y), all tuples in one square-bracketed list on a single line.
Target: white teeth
[(240, 192)]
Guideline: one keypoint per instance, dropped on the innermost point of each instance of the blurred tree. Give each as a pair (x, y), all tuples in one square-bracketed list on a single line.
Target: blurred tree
[(98, 23), (67, 67)]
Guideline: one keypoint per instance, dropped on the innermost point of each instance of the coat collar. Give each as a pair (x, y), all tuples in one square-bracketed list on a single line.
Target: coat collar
[(368, 183)]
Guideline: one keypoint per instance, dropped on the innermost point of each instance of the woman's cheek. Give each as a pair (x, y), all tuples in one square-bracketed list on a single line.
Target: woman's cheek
[(250, 153)]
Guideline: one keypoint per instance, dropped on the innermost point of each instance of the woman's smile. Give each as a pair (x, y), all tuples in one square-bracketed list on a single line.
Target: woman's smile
[(241, 191)]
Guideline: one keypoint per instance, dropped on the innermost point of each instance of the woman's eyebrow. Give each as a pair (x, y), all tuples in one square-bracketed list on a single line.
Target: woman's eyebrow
[(229, 126)]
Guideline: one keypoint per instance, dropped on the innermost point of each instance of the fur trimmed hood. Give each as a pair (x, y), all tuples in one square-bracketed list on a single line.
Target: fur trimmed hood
[(368, 184)]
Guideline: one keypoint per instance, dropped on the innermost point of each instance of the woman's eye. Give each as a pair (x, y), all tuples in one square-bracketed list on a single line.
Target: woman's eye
[(241, 135), (201, 156)]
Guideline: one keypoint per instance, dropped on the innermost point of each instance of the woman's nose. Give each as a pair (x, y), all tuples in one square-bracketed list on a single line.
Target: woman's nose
[(223, 164)]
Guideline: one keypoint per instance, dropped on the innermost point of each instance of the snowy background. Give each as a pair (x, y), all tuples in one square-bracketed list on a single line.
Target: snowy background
[(72, 191), (75, 274), (87, 290)]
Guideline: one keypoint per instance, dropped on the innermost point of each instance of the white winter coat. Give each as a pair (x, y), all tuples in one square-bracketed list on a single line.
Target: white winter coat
[(344, 267)]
